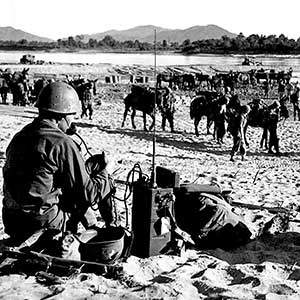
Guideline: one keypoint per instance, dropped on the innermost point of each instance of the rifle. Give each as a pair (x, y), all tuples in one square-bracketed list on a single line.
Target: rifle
[(32, 262), (270, 209)]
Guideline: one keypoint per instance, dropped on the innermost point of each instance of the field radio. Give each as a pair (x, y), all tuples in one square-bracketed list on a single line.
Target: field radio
[(150, 213), (153, 204)]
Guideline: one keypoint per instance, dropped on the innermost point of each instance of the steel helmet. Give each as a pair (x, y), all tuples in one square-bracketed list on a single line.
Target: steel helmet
[(58, 97), (102, 245)]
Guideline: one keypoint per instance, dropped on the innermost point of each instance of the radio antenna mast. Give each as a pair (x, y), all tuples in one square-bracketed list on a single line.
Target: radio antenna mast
[(153, 175)]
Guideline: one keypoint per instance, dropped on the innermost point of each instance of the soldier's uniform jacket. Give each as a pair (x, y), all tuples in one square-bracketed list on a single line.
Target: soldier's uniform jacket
[(87, 97), (45, 170), (281, 87), (237, 124), (168, 102), (295, 96)]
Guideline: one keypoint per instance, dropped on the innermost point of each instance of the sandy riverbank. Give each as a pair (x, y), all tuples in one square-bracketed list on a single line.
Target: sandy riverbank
[(263, 269)]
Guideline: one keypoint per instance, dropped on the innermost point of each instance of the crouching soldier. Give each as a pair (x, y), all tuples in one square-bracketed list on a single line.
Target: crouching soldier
[(202, 211), (237, 125), (46, 184)]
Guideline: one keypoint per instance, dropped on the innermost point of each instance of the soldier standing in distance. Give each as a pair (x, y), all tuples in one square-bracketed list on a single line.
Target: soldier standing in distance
[(87, 101), (237, 126), (295, 102)]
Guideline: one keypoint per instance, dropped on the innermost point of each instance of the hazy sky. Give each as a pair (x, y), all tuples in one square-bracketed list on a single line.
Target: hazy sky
[(62, 18)]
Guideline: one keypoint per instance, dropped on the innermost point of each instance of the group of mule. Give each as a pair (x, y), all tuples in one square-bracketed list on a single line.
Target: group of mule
[(191, 81), (24, 91), (216, 106), (210, 101)]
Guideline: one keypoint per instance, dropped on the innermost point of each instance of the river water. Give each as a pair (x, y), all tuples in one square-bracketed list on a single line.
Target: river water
[(278, 62)]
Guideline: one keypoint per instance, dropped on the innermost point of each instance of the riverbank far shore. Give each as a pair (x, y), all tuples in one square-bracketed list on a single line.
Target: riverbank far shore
[(100, 70)]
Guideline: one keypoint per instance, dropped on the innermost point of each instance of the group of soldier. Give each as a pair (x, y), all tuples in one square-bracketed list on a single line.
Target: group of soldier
[(17, 84), (25, 92), (236, 125), (258, 113)]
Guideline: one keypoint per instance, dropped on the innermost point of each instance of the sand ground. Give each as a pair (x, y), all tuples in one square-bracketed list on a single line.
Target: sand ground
[(263, 269)]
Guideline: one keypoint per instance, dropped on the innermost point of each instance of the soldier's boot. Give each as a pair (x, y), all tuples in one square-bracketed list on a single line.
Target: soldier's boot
[(277, 147)]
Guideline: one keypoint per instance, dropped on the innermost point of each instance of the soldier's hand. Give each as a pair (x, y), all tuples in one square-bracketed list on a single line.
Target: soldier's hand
[(96, 163), (68, 247)]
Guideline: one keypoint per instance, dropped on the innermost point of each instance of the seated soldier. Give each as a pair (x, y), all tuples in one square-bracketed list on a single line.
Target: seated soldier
[(46, 184)]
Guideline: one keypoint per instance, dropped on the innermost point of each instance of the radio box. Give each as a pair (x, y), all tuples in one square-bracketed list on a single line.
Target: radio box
[(147, 206)]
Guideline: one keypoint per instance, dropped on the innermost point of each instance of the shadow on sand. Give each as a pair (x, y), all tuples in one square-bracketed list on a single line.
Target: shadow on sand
[(282, 248), (180, 140)]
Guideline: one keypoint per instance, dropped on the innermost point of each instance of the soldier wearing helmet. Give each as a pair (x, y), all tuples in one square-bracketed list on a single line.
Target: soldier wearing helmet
[(87, 100), (237, 124), (46, 184)]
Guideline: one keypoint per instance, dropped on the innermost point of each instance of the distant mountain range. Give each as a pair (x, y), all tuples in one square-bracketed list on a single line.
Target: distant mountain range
[(146, 34), (12, 34), (141, 33)]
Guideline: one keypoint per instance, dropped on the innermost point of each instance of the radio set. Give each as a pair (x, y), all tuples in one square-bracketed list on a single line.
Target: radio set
[(153, 204), (151, 209)]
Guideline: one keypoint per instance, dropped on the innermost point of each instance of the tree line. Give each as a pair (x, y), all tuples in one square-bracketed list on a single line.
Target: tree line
[(253, 44)]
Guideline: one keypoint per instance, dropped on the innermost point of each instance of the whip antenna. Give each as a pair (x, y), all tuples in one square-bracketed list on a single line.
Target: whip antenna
[(153, 175)]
